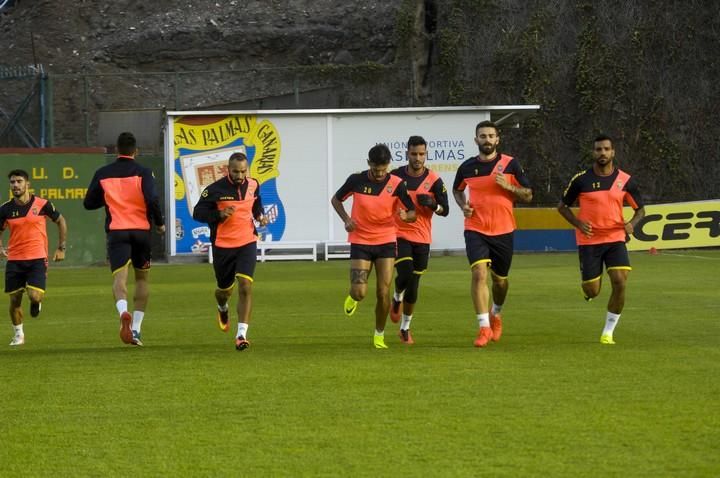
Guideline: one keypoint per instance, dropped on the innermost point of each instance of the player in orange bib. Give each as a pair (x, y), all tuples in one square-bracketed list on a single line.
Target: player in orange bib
[(428, 192), (229, 206), (27, 252), (377, 198), (126, 190), (600, 229), (494, 181)]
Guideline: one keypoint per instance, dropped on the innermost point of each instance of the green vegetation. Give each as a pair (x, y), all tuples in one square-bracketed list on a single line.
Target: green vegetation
[(311, 397)]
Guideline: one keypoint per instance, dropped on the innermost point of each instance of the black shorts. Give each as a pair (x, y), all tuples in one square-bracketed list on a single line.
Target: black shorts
[(494, 250), (22, 274), (370, 253), (416, 252), (128, 246), (613, 254), (233, 262)]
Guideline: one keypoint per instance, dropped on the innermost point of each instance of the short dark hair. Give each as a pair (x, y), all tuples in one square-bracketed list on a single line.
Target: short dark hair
[(603, 137), (126, 144), (416, 141), (486, 124), (237, 157), (379, 155), (19, 172)]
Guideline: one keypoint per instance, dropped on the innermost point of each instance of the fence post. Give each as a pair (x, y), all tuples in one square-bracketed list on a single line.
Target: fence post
[(85, 110), (50, 116)]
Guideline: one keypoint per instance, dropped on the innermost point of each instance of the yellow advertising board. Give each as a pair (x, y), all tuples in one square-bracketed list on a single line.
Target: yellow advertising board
[(677, 226)]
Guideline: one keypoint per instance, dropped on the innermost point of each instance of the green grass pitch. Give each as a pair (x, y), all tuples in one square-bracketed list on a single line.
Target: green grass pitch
[(311, 397)]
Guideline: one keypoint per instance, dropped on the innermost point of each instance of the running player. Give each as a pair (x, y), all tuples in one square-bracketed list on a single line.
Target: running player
[(600, 229), (377, 198), (494, 181), (27, 251), (428, 192)]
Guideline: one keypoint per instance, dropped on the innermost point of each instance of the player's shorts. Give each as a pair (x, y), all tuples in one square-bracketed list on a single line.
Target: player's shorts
[(494, 250), (22, 274), (132, 245), (592, 257), (371, 252), (232, 262), (417, 252)]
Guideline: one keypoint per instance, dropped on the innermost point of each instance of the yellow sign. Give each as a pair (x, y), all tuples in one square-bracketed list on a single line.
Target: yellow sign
[(677, 226)]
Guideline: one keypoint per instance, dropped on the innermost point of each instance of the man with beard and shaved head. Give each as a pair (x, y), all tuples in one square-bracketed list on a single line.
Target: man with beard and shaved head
[(413, 239), (27, 251), (229, 206), (494, 182), (600, 229)]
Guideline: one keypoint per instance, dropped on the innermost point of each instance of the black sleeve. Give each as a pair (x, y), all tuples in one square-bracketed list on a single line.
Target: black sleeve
[(459, 178), (95, 196), (441, 197), (206, 209), (257, 209), (520, 175), (151, 200), (633, 190), (402, 193), (347, 188), (572, 191), (50, 211)]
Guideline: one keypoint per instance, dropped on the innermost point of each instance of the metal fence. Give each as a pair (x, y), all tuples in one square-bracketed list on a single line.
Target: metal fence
[(74, 102)]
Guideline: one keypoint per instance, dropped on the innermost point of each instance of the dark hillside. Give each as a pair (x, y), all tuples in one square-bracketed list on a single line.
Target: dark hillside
[(643, 72)]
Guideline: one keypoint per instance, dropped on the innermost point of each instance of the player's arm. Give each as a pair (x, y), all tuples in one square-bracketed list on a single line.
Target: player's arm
[(459, 194), (95, 196), (62, 238), (521, 190), (438, 200), (337, 203), (206, 208), (569, 197), (152, 201), (633, 197), (3, 251), (408, 214), (634, 220), (53, 214), (522, 193), (257, 210)]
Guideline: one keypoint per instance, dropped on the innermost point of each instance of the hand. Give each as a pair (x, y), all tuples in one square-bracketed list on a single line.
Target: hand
[(160, 229), (427, 200), (502, 181), (3, 252), (629, 228), (226, 213), (263, 220), (349, 225), (407, 216), (467, 210), (59, 255), (585, 228)]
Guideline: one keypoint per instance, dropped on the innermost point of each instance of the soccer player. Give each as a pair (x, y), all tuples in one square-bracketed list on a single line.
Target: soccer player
[(377, 198), (600, 230), (27, 251), (428, 192), (127, 191), (494, 181), (228, 206)]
